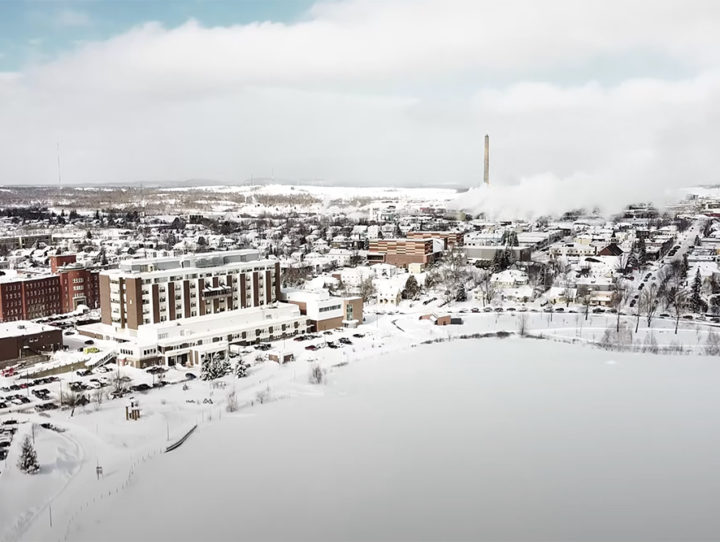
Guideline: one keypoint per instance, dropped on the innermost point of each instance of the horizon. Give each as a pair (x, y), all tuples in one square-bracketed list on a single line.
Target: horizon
[(362, 93)]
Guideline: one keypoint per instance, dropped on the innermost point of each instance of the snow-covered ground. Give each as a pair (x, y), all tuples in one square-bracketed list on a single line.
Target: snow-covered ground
[(482, 440), (519, 439)]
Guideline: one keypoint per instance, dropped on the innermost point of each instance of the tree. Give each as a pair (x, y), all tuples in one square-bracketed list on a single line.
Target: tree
[(680, 302), (585, 296), (619, 295), (460, 293), (487, 288), (412, 288), (232, 402), (241, 368), (206, 369), (648, 303), (28, 462), (367, 289), (696, 299), (454, 272), (316, 375), (642, 251)]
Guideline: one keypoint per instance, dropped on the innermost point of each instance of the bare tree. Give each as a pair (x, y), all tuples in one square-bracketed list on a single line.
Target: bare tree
[(585, 296), (232, 402), (680, 302), (487, 288), (316, 375), (367, 289), (619, 296), (522, 325), (648, 303), (98, 396)]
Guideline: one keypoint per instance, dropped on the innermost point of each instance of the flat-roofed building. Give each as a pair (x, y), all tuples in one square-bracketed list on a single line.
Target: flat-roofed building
[(450, 238), (151, 291), (325, 311), (190, 341), (401, 252), (25, 298), (26, 340)]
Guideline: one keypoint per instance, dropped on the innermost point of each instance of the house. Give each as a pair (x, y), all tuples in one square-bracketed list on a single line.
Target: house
[(509, 278), (437, 319)]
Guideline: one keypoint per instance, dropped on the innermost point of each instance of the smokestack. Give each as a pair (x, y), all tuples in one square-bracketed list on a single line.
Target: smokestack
[(486, 176)]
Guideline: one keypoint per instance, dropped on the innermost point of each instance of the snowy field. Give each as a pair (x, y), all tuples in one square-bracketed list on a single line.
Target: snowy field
[(471, 440)]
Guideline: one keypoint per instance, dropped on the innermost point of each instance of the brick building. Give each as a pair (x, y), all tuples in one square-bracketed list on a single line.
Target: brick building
[(150, 291), (401, 252), (78, 286), (60, 260), (25, 298), (29, 297), (26, 339), (451, 239)]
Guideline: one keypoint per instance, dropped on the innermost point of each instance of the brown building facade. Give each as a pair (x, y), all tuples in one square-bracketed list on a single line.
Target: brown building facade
[(152, 291), (451, 239), (401, 252), (27, 339), (28, 298)]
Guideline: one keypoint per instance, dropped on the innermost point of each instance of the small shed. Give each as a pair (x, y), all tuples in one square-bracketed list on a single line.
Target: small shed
[(280, 356)]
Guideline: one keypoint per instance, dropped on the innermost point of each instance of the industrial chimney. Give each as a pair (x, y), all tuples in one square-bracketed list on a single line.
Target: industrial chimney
[(486, 176)]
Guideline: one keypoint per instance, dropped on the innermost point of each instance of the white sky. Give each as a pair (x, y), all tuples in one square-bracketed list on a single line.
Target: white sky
[(585, 102)]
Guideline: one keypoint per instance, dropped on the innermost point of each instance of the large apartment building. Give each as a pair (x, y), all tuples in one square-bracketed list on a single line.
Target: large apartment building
[(149, 291)]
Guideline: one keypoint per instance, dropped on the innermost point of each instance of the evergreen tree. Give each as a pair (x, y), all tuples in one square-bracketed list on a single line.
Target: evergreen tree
[(412, 288), (241, 369), (461, 294), (696, 298), (224, 367), (642, 251), (206, 369), (28, 462)]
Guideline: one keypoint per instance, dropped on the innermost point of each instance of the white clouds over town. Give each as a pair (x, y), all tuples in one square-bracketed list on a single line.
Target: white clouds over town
[(581, 101)]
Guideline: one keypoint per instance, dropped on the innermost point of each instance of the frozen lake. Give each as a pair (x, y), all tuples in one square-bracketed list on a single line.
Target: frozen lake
[(471, 440)]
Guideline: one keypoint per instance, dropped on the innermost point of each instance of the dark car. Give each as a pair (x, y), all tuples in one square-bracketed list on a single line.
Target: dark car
[(311, 347), (89, 341), (358, 335), (190, 376), (498, 309), (475, 309), (345, 340)]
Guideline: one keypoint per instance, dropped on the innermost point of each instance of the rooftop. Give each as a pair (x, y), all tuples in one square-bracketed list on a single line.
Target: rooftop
[(22, 328)]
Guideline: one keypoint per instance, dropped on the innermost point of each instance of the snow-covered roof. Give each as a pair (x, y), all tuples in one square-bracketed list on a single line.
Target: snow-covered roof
[(22, 328)]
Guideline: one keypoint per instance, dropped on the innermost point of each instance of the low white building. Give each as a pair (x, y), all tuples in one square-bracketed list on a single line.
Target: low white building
[(193, 340), (325, 311), (509, 278)]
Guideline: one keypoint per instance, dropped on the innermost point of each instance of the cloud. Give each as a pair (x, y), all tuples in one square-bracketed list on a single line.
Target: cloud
[(393, 92), (72, 18)]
